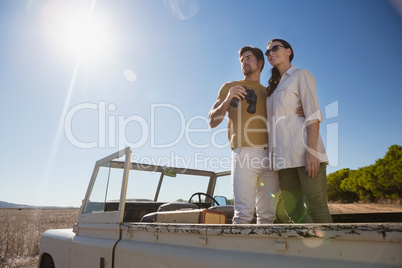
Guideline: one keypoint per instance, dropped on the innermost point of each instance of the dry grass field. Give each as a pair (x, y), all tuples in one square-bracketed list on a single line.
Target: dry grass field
[(21, 230)]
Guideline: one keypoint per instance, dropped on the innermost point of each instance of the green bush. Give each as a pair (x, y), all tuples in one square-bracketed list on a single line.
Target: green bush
[(382, 180), (335, 192)]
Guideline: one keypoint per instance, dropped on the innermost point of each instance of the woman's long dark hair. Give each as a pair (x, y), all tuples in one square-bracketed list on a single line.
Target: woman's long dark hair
[(276, 76)]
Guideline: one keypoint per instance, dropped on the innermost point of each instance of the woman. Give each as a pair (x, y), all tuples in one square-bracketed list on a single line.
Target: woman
[(295, 145)]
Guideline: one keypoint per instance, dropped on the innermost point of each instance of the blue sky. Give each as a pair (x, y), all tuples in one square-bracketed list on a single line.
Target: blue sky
[(146, 73)]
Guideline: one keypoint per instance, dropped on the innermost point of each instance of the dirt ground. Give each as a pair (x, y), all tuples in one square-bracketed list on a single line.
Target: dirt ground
[(363, 208)]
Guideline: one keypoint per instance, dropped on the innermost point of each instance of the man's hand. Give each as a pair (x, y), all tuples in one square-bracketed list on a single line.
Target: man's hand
[(236, 92), (300, 112), (219, 109)]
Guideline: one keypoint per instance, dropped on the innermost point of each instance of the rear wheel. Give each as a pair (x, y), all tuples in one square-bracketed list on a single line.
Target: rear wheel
[(46, 261)]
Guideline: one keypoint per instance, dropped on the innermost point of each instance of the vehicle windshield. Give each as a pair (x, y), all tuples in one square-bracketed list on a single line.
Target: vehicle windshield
[(146, 184), (142, 185)]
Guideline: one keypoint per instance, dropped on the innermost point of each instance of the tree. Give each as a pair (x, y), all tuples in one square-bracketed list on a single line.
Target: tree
[(357, 182), (388, 170), (335, 192), (380, 180)]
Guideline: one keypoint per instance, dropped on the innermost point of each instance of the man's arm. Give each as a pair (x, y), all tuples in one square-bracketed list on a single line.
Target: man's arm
[(218, 111)]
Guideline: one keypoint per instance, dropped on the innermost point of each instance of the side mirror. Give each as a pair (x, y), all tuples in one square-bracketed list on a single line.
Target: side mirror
[(169, 172), (221, 200)]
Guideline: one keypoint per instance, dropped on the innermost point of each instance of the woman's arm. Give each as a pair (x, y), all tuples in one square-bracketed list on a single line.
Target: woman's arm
[(312, 111)]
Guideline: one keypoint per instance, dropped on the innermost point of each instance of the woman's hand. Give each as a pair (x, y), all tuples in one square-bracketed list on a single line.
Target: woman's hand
[(311, 158), (312, 164)]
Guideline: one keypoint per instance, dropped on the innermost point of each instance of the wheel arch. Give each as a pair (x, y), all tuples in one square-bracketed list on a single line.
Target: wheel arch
[(46, 261)]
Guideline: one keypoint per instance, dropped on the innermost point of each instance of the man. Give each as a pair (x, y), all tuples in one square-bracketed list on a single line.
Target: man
[(255, 185)]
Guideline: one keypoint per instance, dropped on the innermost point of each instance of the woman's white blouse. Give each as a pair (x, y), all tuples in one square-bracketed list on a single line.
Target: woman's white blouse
[(287, 133)]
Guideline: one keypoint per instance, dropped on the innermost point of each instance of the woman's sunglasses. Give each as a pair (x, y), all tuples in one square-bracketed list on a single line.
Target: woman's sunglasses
[(273, 49)]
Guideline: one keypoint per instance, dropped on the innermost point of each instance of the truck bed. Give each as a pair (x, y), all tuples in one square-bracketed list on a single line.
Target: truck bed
[(332, 245)]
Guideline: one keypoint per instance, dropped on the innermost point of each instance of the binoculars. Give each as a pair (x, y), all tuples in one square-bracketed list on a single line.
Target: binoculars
[(251, 99)]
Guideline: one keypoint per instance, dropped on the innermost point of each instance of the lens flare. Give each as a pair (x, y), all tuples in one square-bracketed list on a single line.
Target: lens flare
[(272, 195), (182, 9), (130, 75), (319, 234), (262, 184)]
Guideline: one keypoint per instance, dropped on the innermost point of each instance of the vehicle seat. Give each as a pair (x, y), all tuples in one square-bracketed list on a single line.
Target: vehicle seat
[(172, 206), (150, 217)]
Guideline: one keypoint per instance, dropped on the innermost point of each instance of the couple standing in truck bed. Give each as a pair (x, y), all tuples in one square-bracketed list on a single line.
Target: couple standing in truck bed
[(274, 136)]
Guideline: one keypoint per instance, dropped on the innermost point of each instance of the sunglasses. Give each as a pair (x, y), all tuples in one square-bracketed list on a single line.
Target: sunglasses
[(273, 49)]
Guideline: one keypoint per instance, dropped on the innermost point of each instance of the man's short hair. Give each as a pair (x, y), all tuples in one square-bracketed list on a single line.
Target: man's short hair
[(256, 52)]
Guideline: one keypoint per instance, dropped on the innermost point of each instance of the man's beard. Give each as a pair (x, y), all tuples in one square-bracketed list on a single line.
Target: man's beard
[(248, 71)]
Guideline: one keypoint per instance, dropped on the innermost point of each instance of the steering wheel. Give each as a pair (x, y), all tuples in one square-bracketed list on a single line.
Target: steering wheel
[(199, 194)]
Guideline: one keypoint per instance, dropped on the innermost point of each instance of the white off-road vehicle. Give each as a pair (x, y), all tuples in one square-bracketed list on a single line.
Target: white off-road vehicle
[(141, 215)]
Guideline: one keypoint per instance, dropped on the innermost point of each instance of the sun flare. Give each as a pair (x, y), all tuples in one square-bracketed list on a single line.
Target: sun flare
[(77, 30), (82, 36)]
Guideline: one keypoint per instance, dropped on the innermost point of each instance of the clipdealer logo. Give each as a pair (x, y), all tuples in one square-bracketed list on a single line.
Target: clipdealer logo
[(112, 126), (112, 132)]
